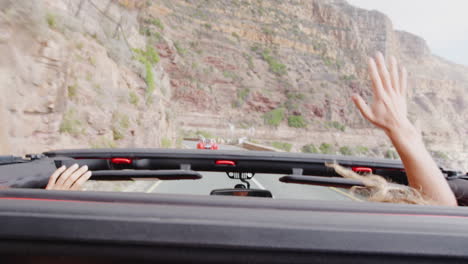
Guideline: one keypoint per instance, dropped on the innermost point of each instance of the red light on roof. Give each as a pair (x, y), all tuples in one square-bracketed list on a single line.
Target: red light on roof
[(121, 161), (225, 162), (362, 169)]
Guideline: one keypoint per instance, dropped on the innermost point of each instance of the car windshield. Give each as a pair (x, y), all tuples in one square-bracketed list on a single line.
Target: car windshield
[(272, 76), (217, 180)]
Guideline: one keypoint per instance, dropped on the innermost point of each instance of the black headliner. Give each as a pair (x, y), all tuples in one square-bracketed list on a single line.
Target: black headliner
[(235, 223)]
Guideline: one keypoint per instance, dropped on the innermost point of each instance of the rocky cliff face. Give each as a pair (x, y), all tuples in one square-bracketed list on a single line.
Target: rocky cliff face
[(278, 72), (69, 78), (284, 71)]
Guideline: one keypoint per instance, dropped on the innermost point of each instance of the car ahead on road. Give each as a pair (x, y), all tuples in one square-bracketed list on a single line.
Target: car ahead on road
[(207, 144), (242, 224)]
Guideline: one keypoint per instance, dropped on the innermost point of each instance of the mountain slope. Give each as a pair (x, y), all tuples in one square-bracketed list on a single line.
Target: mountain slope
[(143, 73)]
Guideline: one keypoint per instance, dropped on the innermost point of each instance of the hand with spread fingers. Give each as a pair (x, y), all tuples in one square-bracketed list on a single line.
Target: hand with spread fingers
[(388, 111), (72, 178)]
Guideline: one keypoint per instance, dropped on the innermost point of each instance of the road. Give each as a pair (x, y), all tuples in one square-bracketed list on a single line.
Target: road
[(217, 180)]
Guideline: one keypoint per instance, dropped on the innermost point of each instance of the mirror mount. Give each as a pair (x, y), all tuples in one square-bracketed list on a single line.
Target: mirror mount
[(246, 183), (242, 176)]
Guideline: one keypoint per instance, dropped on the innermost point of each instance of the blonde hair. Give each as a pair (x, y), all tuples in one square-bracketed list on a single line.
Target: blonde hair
[(377, 189)]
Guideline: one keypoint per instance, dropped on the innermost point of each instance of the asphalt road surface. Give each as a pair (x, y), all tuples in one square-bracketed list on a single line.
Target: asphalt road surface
[(219, 180)]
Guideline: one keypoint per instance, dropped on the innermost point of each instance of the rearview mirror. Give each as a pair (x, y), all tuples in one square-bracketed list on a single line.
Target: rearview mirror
[(243, 192)]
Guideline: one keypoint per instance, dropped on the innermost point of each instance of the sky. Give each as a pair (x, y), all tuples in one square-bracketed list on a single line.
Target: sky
[(442, 23)]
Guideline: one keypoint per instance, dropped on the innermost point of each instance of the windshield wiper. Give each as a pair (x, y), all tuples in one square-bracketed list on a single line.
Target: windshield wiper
[(109, 175), (298, 177), (321, 181)]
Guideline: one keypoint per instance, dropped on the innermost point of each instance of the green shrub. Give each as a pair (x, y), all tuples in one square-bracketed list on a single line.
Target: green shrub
[(92, 61), (348, 77), (51, 20), (72, 91), (391, 154), (328, 61), (255, 48), (278, 68), (282, 145), (295, 96), (117, 133), (196, 134), (166, 142), (339, 64), (291, 105), (97, 87), (180, 50), (440, 155), (149, 58), (157, 22), (296, 121), (194, 44), (71, 124), (148, 55), (309, 148), (103, 142), (89, 77), (204, 134), (229, 74), (275, 66), (120, 125), (156, 37), (250, 62), (326, 148), (236, 104), (234, 34), (200, 14), (243, 93), (133, 98), (337, 125), (360, 150), (149, 79), (124, 121), (274, 117), (268, 31), (152, 55), (346, 151), (145, 31), (149, 99), (179, 141)]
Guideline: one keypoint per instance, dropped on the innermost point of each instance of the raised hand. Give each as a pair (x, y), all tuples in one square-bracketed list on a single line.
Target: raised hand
[(72, 178), (388, 109)]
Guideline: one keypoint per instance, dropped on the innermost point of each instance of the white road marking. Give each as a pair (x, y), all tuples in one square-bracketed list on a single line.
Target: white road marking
[(154, 186), (258, 184)]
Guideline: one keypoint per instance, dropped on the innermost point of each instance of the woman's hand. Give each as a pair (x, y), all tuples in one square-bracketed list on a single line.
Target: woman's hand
[(388, 110), (72, 178)]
